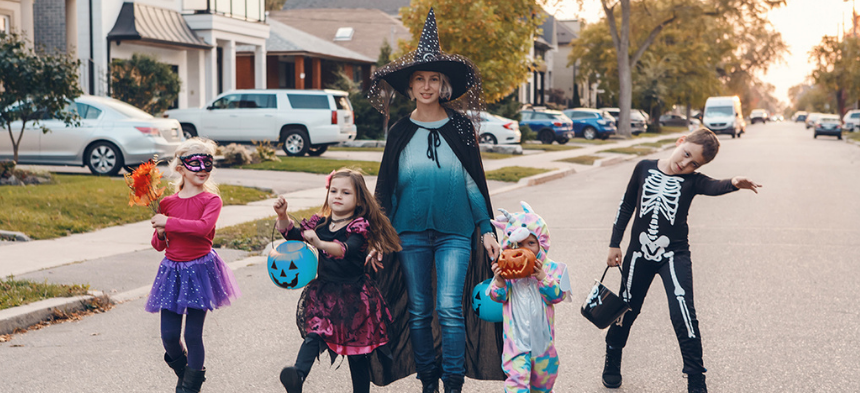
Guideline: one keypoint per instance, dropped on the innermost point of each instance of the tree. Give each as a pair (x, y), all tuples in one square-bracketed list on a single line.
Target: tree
[(811, 98), (33, 86), (836, 68), (663, 13), (145, 83), (495, 34), (275, 5)]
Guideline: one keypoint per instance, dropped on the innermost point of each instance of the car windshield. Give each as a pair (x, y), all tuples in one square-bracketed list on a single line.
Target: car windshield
[(127, 110), (719, 111)]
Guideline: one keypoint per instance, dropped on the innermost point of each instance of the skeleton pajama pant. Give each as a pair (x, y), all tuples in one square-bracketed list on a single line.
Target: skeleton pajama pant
[(676, 272), (530, 374)]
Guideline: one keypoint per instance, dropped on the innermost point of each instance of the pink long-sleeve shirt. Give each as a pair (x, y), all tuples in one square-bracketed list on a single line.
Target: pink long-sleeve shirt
[(190, 226)]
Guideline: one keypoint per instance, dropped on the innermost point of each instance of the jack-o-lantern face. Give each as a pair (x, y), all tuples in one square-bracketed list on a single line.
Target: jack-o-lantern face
[(517, 263), (292, 265)]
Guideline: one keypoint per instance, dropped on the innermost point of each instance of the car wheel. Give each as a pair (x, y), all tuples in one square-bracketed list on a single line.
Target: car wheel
[(317, 151), (546, 137), (189, 131), (488, 138), (589, 133), (815, 136), (562, 141), (295, 142), (103, 159)]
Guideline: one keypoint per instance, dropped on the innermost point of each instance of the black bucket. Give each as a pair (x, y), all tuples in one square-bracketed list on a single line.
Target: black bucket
[(602, 306)]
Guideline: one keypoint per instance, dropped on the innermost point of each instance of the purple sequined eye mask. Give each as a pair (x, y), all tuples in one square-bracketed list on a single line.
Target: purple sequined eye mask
[(197, 162)]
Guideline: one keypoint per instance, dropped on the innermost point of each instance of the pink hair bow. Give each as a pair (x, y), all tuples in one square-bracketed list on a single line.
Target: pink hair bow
[(328, 179)]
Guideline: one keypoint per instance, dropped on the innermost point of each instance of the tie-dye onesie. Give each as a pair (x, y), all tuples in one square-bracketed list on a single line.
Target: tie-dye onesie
[(529, 357)]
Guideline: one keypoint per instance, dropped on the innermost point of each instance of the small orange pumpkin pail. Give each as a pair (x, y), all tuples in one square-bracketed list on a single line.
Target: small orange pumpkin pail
[(517, 263)]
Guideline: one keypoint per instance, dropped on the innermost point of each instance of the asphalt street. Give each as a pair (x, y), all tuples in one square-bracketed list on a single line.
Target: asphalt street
[(775, 278)]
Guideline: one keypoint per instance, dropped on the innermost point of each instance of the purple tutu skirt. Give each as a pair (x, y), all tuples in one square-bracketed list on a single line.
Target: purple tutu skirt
[(205, 283)]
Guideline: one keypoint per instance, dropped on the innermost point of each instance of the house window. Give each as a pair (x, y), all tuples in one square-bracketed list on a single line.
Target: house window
[(344, 34), (5, 23)]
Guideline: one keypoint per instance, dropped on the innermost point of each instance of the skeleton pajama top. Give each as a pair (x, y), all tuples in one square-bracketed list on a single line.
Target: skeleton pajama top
[(661, 203)]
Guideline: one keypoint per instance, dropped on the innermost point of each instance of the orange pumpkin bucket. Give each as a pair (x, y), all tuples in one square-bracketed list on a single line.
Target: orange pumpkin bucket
[(517, 263)]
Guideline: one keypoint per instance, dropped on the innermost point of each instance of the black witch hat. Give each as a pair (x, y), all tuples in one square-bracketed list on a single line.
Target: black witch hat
[(461, 72)]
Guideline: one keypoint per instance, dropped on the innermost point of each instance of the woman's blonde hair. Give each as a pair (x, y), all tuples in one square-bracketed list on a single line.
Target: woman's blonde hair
[(381, 236), (191, 146), (445, 90)]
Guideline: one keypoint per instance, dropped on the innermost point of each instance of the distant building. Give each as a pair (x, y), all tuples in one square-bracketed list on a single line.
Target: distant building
[(544, 50), (568, 31), (390, 7)]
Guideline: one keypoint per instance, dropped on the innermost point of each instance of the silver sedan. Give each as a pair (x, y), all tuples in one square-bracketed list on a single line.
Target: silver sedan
[(111, 135)]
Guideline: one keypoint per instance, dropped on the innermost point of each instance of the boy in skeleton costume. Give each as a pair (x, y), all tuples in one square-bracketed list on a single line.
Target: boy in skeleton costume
[(529, 357), (660, 193)]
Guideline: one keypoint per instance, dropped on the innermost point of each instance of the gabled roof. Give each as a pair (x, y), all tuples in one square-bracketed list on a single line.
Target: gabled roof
[(390, 7), (140, 22), (565, 33), (371, 27), (287, 40)]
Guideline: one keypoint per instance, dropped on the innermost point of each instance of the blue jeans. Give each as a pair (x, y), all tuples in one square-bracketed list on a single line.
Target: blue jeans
[(451, 256)]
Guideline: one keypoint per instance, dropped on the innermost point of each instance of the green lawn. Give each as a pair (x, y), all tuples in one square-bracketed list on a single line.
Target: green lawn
[(514, 173), (77, 204), (658, 144), (582, 160), (15, 293), (344, 148), (552, 147), (315, 165), (254, 235), (488, 155), (584, 141), (854, 136), (639, 150)]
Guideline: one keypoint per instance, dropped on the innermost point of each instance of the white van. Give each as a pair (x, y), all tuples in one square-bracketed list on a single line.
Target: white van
[(723, 115)]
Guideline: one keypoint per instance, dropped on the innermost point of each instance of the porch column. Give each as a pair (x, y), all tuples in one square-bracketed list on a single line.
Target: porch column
[(260, 66), (300, 72), (27, 26), (229, 59), (317, 64), (196, 78), (71, 27)]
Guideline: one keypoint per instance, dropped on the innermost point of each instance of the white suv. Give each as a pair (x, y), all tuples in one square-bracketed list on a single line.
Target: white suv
[(851, 120), (304, 121)]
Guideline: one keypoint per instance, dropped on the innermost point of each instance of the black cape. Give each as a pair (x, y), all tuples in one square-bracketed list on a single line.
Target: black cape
[(483, 339)]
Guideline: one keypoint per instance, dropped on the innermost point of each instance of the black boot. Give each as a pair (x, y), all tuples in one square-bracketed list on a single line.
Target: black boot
[(612, 368), (696, 383), (454, 384), (429, 381), (192, 380), (178, 366), (292, 378)]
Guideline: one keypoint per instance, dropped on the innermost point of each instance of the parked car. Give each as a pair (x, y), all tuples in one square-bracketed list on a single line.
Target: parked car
[(758, 115), (496, 129), (304, 121), (851, 120), (800, 116), (111, 135), (812, 118), (591, 123), (645, 115), (637, 121), (724, 115), (828, 125), (671, 119), (548, 124)]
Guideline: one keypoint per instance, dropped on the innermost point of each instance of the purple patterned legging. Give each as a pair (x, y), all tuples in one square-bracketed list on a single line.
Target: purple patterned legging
[(171, 334)]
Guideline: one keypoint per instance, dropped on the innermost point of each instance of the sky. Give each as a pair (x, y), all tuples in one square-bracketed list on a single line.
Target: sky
[(802, 23)]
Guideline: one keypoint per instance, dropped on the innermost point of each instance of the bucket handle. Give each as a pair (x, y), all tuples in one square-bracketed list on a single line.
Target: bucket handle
[(623, 284)]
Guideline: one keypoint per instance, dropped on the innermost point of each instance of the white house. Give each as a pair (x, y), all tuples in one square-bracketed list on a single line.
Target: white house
[(197, 37)]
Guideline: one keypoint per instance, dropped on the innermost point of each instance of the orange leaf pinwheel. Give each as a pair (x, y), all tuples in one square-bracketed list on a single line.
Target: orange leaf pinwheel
[(145, 186)]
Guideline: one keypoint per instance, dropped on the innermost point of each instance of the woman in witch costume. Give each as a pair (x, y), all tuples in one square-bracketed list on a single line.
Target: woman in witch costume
[(432, 186)]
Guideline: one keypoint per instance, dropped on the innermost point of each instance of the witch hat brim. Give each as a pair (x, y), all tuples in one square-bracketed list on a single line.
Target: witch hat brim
[(429, 57)]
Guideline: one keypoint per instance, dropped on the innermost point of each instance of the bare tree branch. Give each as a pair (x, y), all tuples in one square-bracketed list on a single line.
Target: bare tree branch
[(651, 37)]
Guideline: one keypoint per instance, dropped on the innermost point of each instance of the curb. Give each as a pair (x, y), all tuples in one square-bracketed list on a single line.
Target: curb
[(28, 315), (535, 180)]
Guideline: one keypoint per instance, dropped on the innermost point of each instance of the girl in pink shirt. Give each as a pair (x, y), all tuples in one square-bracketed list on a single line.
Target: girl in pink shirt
[(192, 279)]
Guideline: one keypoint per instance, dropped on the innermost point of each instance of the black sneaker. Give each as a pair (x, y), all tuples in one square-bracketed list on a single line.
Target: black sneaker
[(292, 379), (696, 383), (612, 368)]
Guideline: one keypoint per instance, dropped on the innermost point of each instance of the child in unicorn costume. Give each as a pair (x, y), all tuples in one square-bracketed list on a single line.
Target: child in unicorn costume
[(529, 357)]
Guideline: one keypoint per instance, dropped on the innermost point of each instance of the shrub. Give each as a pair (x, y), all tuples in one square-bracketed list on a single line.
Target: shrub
[(234, 155), (527, 134), (144, 82), (264, 152)]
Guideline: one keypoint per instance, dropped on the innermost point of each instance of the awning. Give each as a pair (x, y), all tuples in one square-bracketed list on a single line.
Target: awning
[(139, 22)]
